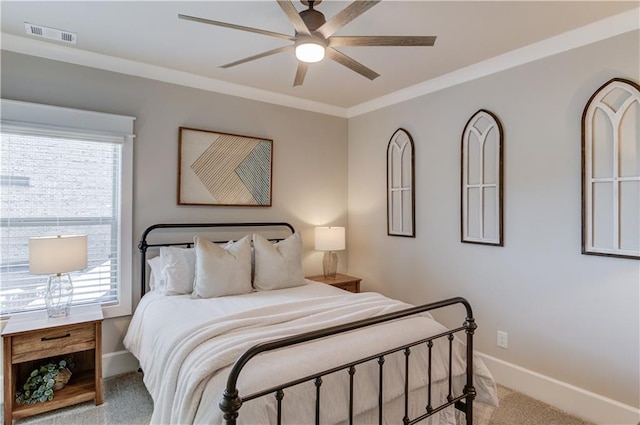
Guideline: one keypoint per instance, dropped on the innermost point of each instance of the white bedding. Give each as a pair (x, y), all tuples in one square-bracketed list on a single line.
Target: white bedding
[(186, 347)]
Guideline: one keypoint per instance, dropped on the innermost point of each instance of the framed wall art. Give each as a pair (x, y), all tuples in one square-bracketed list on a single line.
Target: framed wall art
[(481, 180), (400, 185), (223, 169), (611, 171)]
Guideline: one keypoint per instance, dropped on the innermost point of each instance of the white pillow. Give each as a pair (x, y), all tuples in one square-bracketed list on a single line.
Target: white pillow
[(156, 276), (179, 269), (279, 265), (222, 271)]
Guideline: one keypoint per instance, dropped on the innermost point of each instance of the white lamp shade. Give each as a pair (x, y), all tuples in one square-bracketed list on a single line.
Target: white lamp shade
[(57, 254), (310, 52), (329, 238)]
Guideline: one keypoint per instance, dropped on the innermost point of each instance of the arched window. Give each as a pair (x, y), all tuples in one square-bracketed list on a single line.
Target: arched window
[(481, 189), (400, 180), (611, 171)]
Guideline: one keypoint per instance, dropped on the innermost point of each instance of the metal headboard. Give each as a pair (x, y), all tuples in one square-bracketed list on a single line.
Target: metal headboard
[(143, 245)]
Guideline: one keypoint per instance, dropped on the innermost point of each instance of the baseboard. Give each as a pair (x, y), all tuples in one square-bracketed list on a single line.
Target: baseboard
[(574, 400), (117, 363)]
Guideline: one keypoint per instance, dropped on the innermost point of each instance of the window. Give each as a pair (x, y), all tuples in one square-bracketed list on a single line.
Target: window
[(400, 180), (66, 179), (481, 218), (611, 171)]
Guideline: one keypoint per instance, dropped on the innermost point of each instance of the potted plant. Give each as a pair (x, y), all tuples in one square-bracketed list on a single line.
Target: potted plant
[(43, 381)]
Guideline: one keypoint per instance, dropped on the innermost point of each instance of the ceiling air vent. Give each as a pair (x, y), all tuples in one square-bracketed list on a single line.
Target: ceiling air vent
[(50, 33)]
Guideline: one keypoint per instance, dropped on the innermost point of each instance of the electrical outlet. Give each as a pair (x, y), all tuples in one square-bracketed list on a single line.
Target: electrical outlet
[(503, 339)]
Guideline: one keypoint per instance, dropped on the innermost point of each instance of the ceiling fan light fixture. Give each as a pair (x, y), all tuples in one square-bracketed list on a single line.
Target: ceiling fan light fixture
[(310, 50), (314, 35)]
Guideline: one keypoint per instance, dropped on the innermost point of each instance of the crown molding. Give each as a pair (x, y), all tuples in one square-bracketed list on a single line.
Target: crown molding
[(43, 49), (588, 34), (591, 33)]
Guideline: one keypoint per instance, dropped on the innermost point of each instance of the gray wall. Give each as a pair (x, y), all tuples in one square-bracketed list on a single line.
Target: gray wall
[(309, 153), (570, 316)]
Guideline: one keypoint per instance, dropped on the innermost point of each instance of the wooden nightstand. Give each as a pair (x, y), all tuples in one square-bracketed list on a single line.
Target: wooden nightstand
[(29, 340), (342, 281)]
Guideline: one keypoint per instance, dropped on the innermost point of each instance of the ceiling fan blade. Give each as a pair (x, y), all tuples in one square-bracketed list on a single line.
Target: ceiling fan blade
[(337, 41), (258, 56), (236, 27), (352, 64), (345, 16), (300, 73), (294, 17)]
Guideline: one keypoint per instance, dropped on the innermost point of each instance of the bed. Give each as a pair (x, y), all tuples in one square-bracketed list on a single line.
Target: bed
[(290, 354)]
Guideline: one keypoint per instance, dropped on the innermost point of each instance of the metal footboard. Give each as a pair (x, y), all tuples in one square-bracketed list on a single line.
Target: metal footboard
[(232, 401)]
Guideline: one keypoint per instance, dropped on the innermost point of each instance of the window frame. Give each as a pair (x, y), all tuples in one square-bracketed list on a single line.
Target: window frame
[(595, 102), (54, 121), (393, 162), (498, 175)]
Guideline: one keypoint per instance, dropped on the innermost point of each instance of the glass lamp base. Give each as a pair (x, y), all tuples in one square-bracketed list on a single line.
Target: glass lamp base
[(330, 264), (58, 295)]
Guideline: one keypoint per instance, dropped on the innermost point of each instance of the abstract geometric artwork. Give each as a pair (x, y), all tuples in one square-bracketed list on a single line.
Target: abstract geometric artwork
[(223, 169)]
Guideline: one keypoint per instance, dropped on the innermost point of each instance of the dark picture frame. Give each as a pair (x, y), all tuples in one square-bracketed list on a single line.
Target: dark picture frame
[(223, 169)]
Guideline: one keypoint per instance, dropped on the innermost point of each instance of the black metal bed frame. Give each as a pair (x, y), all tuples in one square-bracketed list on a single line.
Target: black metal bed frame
[(232, 401), (143, 245)]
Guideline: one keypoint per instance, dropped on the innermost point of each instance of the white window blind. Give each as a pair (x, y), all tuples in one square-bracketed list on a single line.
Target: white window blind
[(61, 181)]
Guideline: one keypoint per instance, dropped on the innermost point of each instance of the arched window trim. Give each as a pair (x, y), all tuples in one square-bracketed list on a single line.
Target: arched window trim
[(391, 210), (464, 169), (595, 103)]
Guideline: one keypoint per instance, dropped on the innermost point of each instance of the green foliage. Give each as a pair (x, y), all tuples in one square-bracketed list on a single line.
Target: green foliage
[(39, 384)]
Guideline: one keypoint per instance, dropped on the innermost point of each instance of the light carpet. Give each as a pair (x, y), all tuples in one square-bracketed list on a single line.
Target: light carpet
[(128, 402)]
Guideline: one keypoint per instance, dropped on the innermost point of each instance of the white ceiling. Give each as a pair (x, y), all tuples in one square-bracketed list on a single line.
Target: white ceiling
[(150, 33)]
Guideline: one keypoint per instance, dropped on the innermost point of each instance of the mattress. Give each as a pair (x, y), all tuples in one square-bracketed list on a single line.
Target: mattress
[(186, 347)]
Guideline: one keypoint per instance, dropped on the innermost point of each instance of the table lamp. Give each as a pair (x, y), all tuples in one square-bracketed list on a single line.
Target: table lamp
[(329, 239), (57, 256)]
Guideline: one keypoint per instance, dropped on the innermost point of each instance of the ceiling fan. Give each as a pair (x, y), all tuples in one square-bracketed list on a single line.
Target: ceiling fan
[(314, 37)]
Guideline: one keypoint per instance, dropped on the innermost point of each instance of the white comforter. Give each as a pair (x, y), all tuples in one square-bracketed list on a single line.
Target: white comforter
[(186, 348)]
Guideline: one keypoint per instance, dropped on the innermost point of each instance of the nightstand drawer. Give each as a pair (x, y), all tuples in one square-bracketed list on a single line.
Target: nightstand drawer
[(53, 342), (351, 286)]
